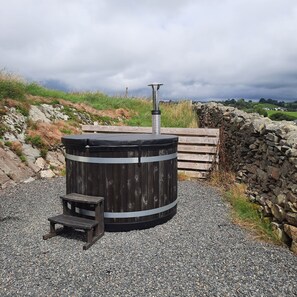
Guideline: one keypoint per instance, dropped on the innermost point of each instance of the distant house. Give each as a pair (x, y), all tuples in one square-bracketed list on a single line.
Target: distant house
[(280, 109)]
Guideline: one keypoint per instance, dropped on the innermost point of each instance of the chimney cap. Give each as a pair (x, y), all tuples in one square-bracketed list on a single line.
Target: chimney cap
[(155, 84)]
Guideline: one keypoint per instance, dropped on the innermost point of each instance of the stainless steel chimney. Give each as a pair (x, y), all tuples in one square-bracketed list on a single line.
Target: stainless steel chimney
[(156, 113)]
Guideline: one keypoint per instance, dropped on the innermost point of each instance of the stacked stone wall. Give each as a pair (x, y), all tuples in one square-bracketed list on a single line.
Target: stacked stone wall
[(263, 154)]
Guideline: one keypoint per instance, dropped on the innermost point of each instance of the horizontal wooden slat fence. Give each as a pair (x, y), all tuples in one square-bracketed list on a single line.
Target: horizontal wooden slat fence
[(197, 147)]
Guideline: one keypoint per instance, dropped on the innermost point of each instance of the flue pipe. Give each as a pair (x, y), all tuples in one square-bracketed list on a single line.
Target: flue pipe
[(156, 113)]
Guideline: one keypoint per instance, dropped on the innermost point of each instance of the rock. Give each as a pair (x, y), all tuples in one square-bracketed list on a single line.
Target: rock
[(278, 212), (61, 158), (34, 167), (259, 125), (291, 139), (41, 163), (55, 159), (273, 172), (279, 232), (30, 152), (29, 180), (291, 231), (292, 153), (291, 218), (273, 138), (47, 113), (280, 199), (291, 207), (3, 178), (294, 247), (262, 175), (261, 200), (266, 211), (46, 173), (292, 187), (291, 197), (35, 114), (16, 122), (12, 166), (8, 136)]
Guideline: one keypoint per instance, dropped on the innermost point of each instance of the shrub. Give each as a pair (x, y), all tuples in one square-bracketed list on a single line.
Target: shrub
[(280, 116), (261, 111)]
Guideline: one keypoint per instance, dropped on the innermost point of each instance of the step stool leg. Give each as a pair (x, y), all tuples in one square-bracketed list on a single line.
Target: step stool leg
[(90, 234), (53, 232)]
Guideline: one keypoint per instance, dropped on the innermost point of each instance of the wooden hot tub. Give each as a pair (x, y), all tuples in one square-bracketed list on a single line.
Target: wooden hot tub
[(135, 173)]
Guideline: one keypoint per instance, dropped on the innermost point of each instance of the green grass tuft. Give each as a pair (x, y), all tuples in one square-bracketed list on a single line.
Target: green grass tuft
[(247, 214), (11, 86), (36, 141)]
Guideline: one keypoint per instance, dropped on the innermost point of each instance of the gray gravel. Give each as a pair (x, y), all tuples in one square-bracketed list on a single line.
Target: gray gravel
[(198, 253)]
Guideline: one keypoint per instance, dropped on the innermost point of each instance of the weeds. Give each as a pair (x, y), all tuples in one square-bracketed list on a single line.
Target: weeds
[(43, 152), (35, 140)]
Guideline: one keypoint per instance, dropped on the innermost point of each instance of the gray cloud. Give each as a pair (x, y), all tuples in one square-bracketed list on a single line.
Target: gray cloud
[(199, 49)]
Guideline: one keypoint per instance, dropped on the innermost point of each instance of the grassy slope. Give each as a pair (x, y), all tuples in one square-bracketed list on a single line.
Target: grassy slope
[(175, 115)]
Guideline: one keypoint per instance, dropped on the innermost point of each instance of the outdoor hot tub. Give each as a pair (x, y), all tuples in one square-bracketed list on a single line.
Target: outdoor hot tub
[(135, 173)]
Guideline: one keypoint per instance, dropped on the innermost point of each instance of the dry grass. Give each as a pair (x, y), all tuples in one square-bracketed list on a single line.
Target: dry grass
[(179, 115), (44, 135), (10, 76), (181, 176), (222, 179)]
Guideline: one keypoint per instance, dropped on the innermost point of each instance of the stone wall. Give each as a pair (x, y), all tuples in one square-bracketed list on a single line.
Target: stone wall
[(263, 154)]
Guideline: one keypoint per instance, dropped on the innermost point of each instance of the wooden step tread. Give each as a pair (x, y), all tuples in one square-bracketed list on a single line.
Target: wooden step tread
[(73, 221), (74, 197)]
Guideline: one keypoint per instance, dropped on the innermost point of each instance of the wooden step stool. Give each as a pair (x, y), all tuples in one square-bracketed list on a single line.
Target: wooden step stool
[(70, 219)]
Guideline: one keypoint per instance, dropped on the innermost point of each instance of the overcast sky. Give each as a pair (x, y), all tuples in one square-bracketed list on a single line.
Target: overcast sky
[(199, 49)]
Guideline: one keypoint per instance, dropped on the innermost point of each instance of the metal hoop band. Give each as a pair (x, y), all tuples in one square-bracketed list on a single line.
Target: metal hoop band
[(133, 160)]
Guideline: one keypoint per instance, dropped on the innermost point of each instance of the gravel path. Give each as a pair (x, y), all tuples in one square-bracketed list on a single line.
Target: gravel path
[(198, 253)]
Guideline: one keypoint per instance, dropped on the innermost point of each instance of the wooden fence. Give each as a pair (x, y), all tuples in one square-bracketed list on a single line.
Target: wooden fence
[(197, 147)]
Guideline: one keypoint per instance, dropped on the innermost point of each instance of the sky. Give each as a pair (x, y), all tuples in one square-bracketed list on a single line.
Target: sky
[(199, 49)]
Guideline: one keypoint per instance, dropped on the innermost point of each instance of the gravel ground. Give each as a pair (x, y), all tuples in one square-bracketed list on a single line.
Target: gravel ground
[(197, 253)]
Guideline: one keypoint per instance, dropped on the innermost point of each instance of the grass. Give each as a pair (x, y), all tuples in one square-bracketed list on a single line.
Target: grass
[(244, 213)]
